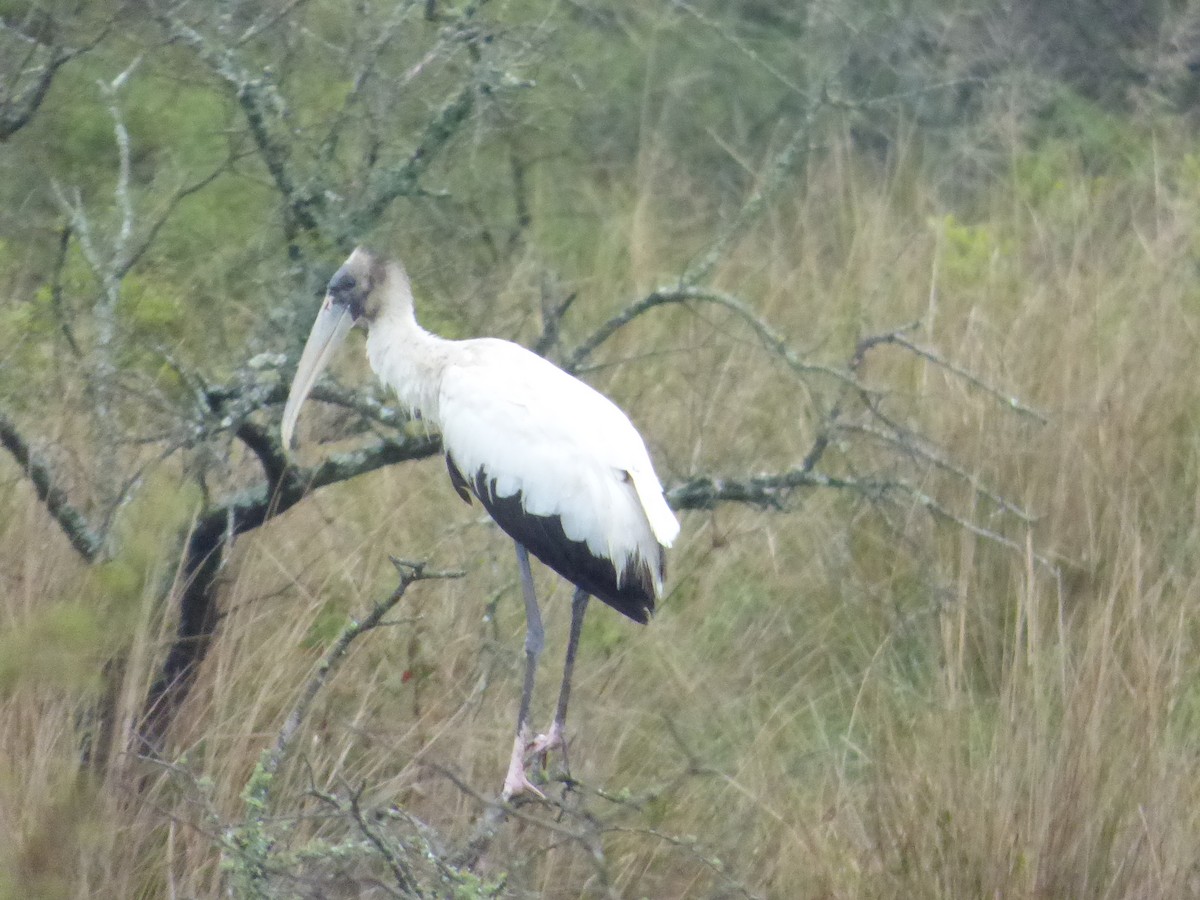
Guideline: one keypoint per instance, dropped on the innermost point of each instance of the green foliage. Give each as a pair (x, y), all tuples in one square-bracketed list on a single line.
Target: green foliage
[(67, 642), (28, 333), (249, 846), (1077, 150), (470, 886), (151, 524), (329, 623), (972, 257), (61, 646)]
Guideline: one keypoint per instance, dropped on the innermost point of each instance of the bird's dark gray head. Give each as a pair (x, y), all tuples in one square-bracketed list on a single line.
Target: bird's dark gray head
[(366, 284), (364, 289)]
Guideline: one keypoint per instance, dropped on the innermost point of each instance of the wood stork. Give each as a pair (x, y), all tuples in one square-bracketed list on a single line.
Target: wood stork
[(558, 466)]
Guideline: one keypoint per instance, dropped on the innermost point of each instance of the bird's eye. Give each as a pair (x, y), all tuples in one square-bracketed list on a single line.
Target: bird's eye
[(342, 282)]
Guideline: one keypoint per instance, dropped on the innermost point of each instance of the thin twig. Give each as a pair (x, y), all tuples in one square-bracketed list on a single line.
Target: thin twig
[(776, 172), (496, 812), (912, 444), (410, 573), (56, 290), (1008, 400), (400, 869), (665, 296)]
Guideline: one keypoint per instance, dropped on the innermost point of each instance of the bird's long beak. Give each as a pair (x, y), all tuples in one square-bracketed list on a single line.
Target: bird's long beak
[(334, 322)]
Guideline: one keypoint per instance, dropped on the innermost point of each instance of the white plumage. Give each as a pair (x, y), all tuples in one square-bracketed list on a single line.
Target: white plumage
[(568, 450), (557, 464)]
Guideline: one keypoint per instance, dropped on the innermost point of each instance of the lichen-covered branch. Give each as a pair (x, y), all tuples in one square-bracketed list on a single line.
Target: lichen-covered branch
[(305, 194), (401, 179), (33, 72), (16, 111), (1009, 400), (73, 523), (209, 542), (262, 107), (667, 296), (776, 173), (258, 791), (766, 490)]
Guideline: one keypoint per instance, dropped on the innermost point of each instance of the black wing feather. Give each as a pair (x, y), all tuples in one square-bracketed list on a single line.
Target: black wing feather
[(456, 479), (543, 536)]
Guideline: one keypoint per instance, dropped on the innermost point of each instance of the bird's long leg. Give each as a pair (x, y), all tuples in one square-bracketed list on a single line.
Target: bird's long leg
[(556, 736), (516, 782)]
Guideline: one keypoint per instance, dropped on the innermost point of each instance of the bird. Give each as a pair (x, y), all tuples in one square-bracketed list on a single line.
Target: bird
[(556, 464)]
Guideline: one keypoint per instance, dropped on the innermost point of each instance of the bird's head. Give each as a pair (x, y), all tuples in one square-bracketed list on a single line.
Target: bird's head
[(364, 288), (365, 284)]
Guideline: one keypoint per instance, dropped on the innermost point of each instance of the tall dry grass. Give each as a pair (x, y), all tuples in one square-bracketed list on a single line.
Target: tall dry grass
[(881, 705)]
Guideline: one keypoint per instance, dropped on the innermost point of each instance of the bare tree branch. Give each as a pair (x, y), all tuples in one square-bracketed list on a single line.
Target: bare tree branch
[(553, 311), (56, 291), (406, 881), (666, 296), (251, 847), (262, 106), (767, 490), (209, 542), (133, 256), (20, 102), (258, 795), (774, 178), (269, 20), (15, 112), (265, 111), (73, 523), (913, 444), (401, 180), (1007, 399)]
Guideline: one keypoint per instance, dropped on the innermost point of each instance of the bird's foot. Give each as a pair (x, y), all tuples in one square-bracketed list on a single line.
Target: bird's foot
[(539, 748), (542, 744), (516, 782)]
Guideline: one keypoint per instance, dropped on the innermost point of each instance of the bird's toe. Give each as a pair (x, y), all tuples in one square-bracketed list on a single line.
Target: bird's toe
[(517, 784), (541, 745)]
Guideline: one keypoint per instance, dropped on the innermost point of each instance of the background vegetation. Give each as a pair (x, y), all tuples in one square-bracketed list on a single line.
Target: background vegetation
[(905, 304)]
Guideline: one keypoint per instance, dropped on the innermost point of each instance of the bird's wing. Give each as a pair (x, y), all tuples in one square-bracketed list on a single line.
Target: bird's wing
[(568, 450)]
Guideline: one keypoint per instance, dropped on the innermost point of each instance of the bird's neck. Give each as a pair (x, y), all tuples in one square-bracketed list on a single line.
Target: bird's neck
[(409, 360)]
